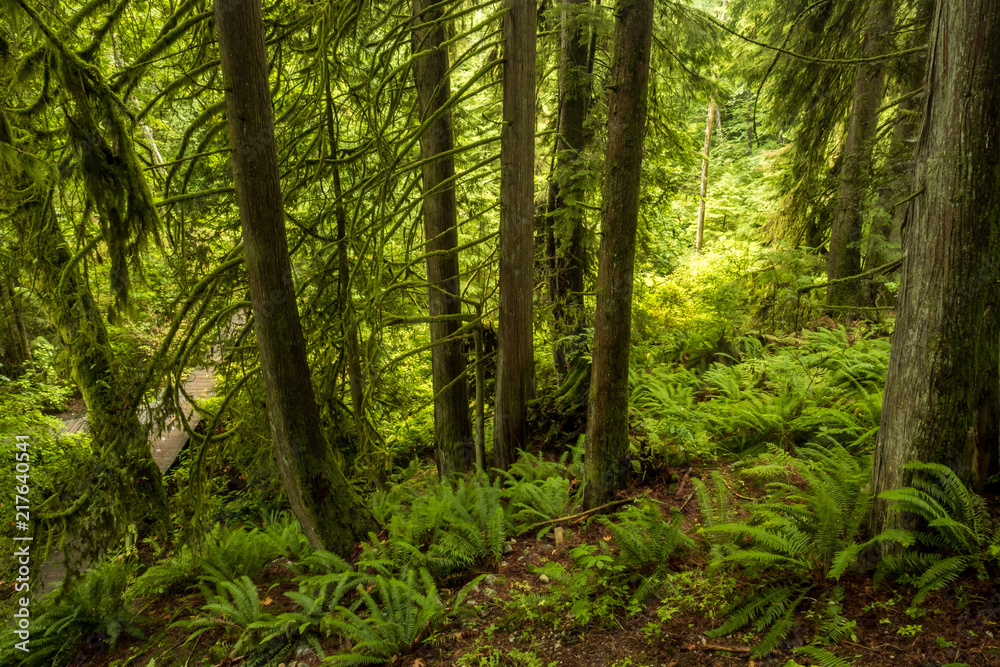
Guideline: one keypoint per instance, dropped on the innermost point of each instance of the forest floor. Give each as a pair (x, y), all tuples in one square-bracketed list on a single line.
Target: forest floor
[(504, 624)]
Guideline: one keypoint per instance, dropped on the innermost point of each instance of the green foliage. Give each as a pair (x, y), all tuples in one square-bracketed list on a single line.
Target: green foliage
[(803, 531), (394, 616), (956, 535), (225, 554), (96, 608), (806, 388), (646, 542), (234, 606)]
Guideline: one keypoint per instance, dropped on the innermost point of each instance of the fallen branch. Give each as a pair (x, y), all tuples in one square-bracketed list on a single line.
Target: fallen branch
[(885, 268), (717, 647), (684, 504), (583, 515)]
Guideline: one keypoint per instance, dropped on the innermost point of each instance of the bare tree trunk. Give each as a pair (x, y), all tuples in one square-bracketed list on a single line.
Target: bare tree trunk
[(515, 360), (453, 443), (704, 176), (331, 516), (844, 258), (942, 399), (607, 465)]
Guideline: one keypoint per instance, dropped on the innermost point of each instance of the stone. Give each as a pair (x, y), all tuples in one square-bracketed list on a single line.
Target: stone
[(489, 592), (490, 580), (560, 535), (507, 549), (544, 578)]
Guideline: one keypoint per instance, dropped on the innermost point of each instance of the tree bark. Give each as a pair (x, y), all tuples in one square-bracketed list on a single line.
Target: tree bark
[(607, 465), (941, 399), (844, 258), (453, 441), (704, 177), (515, 383), (327, 509), (566, 219)]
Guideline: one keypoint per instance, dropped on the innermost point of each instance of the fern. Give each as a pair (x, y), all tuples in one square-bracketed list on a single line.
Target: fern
[(395, 616), (821, 656), (234, 605), (955, 521), (646, 542), (794, 537), (97, 603)]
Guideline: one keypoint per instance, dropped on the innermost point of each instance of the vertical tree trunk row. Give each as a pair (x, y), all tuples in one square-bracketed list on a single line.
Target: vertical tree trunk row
[(607, 465), (453, 438), (515, 383)]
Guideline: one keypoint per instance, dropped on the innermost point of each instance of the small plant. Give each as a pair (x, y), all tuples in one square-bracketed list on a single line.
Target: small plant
[(795, 538), (233, 606)]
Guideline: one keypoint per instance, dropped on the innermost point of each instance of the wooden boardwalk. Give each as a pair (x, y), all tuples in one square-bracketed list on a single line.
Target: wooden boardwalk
[(165, 447)]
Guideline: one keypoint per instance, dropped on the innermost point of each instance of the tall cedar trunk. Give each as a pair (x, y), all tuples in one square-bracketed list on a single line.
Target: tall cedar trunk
[(704, 177), (566, 214), (607, 465), (844, 258), (941, 399), (885, 231), (453, 443), (515, 383), (331, 516)]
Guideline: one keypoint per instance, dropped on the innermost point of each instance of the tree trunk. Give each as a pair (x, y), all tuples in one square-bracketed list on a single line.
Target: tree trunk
[(453, 443), (844, 258), (704, 177), (19, 347), (566, 214), (941, 399), (607, 465), (327, 509), (885, 231), (515, 383)]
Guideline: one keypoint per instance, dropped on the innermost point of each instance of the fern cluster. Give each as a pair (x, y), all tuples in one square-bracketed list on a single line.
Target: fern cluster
[(97, 607), (646, 542), (956, 535), (802, 533), (803, 389)]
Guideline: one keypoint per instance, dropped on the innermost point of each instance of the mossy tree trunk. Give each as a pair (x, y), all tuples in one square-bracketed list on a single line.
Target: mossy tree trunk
[(607, 466), (332, 517), (453, 439), (942, 400), (844, 258), (515, 361)]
